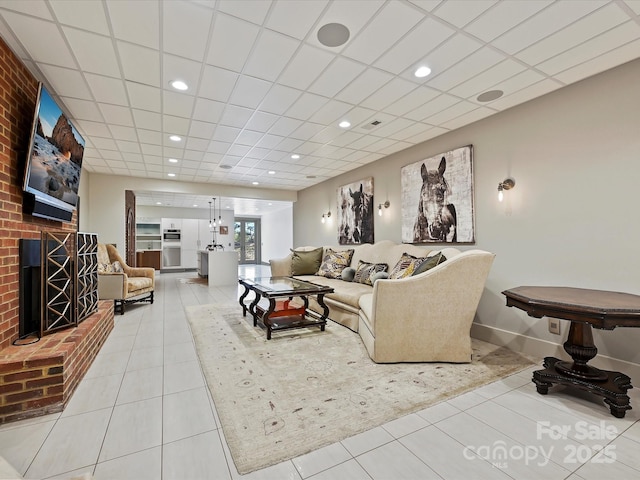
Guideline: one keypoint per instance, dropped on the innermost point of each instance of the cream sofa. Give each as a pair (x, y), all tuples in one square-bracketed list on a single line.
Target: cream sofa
[(421, 318)]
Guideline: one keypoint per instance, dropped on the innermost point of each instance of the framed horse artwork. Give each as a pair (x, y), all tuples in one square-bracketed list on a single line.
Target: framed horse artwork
[(355, 212), (437, 199)]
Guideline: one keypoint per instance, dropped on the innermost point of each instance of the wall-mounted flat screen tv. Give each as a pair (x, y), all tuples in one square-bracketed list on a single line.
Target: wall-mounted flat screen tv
[(54, 162)]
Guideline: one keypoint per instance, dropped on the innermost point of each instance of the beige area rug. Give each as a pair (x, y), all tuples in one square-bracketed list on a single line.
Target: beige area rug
[(305, 389)]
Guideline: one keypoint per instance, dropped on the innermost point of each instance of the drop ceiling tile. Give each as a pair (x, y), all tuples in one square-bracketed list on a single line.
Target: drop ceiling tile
[(392, 22), (261, 121), (447, 55), (279, 99), (412, 100), (194, 155), (144, 97), (404, 54), (601, 63), (238, 150), (197, 144), (337, 76), (218, 147), (94, 129), (606, 42), (468, 118), (295, 22), (450, 113), (308, 63), (200, 129), (461, 12), (225, 134), (331, 112), (179, 68), (180, 18), (37, 8), (363, 86), (217, 84), (121, 132), (388, 128), (53, 51), (140, 64), (111, 155), (249, 91), (116, 115), (178, 104), (388, 94), (545, 23), (171, 152), (258, 153), (253, 10), (149, 136), (575, 34), (128, 17), (82, 109), (147, 120), (271, 54), (346, 138), (284, 126), (155, 150), (128, 147), (516, 83), (634, 5), (289, 145), (432, 107), (104, 143), (106, 89), (471, 66), (363, 142), (503, 17), (358, 115), (411, 130), (306, 131), (483, 81), (526, 94), (306, 106), (88, 16), (269, 141), (248, 137), (208, 110), (231, 42), (235, 116), (174, 125)]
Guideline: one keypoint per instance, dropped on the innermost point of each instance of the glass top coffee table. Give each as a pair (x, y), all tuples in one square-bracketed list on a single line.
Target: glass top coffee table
[(281, 314)]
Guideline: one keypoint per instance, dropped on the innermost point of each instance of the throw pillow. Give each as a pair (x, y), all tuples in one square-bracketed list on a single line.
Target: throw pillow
[(117, 267), (429, 263), (378, 276), (366, 270), (305, 263), (406, 266), (333, 263), (348, 274)]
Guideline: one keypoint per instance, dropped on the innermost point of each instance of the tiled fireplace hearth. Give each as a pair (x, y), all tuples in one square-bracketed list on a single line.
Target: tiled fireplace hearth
[(40, 378)]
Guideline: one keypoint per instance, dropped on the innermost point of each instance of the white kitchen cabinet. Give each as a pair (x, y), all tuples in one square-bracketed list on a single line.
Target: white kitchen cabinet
[(189, 239)]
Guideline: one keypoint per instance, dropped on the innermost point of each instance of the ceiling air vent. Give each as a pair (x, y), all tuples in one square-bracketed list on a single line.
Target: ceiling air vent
[(372, 125)]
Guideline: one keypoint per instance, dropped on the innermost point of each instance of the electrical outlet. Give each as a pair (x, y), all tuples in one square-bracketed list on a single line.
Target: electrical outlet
[(554, 326)]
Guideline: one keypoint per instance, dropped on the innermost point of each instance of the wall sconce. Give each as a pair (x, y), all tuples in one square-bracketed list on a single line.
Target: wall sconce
[(326, 215), (385, 205), (508, 184)]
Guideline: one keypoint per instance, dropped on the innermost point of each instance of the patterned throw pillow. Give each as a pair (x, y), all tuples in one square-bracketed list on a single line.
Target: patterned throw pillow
[(366, 271), (429, 263), (334, 262), (406, 266), (114, 267), (117, 268)]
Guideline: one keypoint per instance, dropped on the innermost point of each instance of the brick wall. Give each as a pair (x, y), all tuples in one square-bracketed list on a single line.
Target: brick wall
[(18, 91)]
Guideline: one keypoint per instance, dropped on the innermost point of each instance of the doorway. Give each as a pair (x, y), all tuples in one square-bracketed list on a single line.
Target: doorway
[(246, 235)]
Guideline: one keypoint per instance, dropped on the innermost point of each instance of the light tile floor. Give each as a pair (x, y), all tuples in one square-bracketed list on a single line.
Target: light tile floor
[(143, 412)]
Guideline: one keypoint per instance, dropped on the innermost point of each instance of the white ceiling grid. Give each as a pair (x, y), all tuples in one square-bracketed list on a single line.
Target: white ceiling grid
[(262, 87)]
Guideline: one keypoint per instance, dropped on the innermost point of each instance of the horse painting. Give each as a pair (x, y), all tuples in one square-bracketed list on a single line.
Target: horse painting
[(437, 220), (355, 211)]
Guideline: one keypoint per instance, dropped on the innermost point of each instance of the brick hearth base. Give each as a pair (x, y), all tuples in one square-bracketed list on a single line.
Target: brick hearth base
[(40, 378)]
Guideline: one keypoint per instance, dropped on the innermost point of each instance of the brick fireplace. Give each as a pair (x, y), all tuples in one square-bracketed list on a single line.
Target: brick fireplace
[(38, 378)]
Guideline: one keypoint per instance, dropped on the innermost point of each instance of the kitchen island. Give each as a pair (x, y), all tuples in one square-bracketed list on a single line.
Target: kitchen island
[(219, 266)]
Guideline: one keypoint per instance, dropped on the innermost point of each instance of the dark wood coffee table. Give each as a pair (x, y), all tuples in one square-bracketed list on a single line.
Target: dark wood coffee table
[(280, 314), (585, 309)]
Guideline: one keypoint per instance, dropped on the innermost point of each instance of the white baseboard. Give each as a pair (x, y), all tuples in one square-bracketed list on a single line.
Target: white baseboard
[(543, 348)]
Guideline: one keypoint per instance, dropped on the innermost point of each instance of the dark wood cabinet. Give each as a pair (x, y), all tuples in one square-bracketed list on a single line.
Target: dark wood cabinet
[(148, 258)]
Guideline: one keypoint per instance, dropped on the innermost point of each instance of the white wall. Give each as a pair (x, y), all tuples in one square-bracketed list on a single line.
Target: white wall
[(572, 217), (85, 204), (277, 234)]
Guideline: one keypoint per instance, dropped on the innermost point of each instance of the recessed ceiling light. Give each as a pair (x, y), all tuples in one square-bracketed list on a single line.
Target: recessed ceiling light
[(295, 156), (490, 95), (344, 124), (175, 138), (179, 85), (255, 183), (333, 35), (195, 204), (422, 72), (171, 174), (173, 160), (272, 172), (158, 203)]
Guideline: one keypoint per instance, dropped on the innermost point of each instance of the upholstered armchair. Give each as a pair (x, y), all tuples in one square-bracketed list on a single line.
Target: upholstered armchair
[(121, 283)]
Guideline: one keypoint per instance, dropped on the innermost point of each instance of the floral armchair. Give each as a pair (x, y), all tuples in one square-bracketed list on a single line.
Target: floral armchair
[(121, 283)]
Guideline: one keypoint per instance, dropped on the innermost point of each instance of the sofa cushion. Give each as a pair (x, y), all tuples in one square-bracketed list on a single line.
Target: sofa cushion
[(366, 270), (406, 266), (305, 262), (429, 263), (334, 262), (138, 283)]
